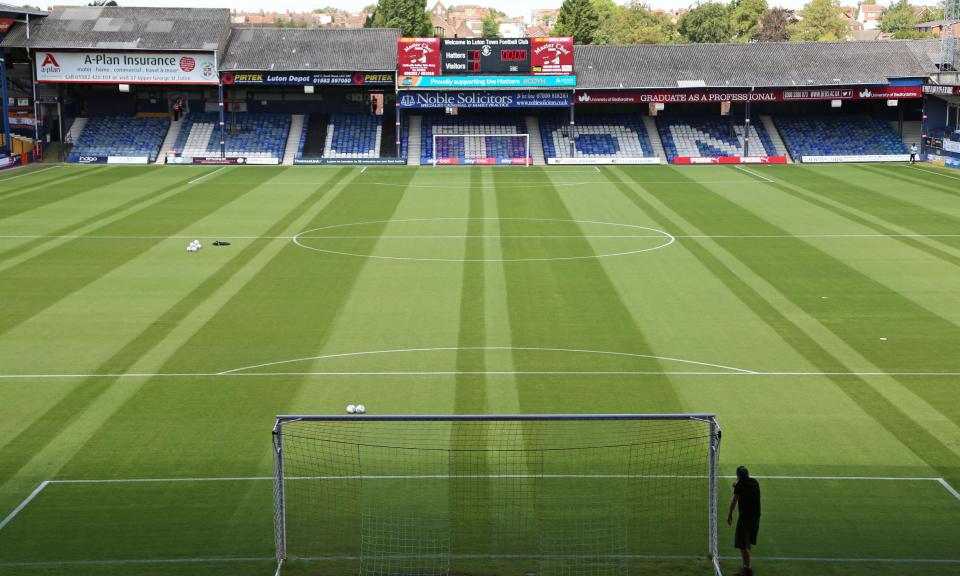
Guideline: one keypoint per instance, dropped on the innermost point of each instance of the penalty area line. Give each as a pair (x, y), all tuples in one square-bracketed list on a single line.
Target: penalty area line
[(207, 175), (752, 173), (23, 504)]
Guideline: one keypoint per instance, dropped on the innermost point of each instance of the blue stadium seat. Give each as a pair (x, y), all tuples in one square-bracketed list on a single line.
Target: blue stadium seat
[(253, 135), (353, 136), (838, 136), (116, 136), (604, 136), (715, 136)]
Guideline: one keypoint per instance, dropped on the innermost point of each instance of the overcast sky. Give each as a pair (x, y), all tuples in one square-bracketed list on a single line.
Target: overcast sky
[(511, 7)]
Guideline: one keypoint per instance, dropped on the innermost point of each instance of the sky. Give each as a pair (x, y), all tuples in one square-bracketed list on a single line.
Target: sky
[(511, 7)]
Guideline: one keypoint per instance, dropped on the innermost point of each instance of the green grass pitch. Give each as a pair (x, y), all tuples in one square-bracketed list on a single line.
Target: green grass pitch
[(815, 309)]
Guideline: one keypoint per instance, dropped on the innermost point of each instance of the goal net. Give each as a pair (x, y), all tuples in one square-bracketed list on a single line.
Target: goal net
[(508, 149), (484, 495)]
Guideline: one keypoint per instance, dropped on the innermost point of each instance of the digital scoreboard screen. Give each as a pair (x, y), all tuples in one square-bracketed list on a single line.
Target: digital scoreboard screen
[(485, 56)]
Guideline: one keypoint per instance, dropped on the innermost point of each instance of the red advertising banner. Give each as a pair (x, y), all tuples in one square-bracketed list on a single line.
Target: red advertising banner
[(723, 95), (730, 160), (552, 55), (5, 24), (418, 56)]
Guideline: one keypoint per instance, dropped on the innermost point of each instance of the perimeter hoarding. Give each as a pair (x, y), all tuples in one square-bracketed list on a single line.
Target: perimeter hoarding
[(126, 67), (942, 90), (271, 78), (505, 99), (726, 95), (457, 82)]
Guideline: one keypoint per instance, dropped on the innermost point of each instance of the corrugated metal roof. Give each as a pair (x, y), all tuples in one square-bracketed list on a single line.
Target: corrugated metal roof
[(20, 10), (322, 49), (761, 64), (125, 28)]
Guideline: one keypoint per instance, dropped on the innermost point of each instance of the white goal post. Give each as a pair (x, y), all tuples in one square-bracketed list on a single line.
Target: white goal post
[(590, 495), (481, 149)]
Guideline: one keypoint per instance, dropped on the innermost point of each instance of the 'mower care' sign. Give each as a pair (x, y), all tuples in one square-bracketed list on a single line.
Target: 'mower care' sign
[(126, 67)]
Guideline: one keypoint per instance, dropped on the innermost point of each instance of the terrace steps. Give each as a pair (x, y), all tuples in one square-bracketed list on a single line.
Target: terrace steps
[(293, 139)]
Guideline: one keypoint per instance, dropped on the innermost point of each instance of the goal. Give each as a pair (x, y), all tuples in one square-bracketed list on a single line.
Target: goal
[(480, 149), (484, 495)]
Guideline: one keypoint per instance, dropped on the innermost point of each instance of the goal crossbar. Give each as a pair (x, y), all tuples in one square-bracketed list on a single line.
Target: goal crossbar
[(506, 492)]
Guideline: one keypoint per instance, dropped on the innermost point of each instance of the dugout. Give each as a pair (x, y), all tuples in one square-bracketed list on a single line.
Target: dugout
[(90, 62), (316, 75), (941, 124)]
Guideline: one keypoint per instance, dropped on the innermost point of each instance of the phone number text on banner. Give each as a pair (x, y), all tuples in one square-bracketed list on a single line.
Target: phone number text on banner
[(484, 99)]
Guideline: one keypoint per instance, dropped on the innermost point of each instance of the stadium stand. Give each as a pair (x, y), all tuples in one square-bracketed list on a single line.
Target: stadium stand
[(609, 136), (715, 136), (255, 135), (838, 136), (353, 136), (459, 148), (114, 136)]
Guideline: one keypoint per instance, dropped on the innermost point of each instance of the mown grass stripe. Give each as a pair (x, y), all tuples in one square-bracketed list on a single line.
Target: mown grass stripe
[(49, 425), (920, 177), (470, 394), (815, 186), (575, 302), (36, 284), (91, 220), (698, 203), (18, 202)]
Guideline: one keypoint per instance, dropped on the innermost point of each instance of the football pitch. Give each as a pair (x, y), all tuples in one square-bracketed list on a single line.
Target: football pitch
[(814, 309)]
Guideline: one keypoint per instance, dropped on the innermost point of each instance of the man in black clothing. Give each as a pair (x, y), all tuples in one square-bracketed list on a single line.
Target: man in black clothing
[(746, 494)]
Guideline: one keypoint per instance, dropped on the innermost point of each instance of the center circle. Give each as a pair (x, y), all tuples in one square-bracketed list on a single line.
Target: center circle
[(420, 239)]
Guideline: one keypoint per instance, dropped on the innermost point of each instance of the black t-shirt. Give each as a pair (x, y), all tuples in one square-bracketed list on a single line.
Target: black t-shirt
[(748, 490)]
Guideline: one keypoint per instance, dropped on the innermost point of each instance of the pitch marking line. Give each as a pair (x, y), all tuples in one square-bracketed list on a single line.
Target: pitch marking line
[(31, 173), (933, 172), (195, 180), (752, 173), (941, 481), (421, 373), (487, 348), (669, 239), (23, 504)]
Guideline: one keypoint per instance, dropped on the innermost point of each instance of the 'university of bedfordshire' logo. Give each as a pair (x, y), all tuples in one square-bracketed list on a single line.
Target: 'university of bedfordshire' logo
[(583, 97), (866, 93)]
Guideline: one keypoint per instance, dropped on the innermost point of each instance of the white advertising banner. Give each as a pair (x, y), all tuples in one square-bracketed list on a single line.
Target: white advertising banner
[(865, 158), (603, 160), (127, 160), (126, 67), (951, 145)]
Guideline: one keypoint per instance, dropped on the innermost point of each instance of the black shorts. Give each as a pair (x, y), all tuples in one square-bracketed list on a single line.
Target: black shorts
[(746, 533)]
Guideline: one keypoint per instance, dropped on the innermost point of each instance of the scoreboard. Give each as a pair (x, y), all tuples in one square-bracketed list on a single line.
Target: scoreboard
[(485, 56)]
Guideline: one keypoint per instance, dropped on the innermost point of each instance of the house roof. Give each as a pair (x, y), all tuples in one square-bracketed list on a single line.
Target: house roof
[(10, 8), (768, 64), (323, 49), (124, 28)]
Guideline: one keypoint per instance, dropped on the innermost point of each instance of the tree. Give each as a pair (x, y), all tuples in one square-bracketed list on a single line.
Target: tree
[(774, 26), (490, 26), (636, 24), (820, 20), (103, 3), (707, 22), (577, 18), (410, 16), (899, 18), (745, 18)]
